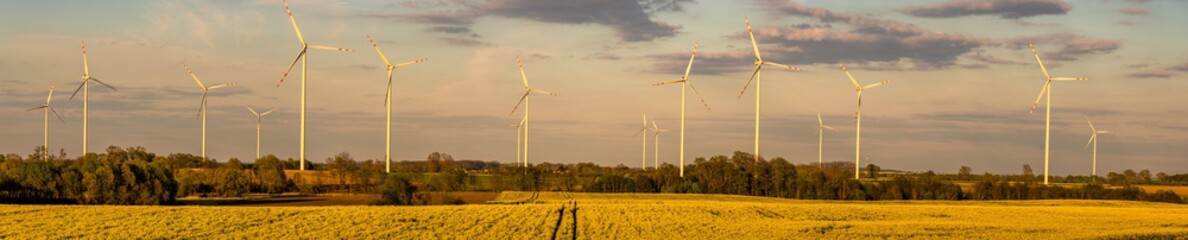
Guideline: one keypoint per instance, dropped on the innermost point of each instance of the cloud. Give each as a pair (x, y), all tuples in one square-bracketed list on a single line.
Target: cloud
[(706, 63), (1126, 22), (1072, 46), (1182, 67), (1134, 11), (1139, 65), (1007, 9), (869, 40), (464, 41), (632, 20), (211, 23), (1150, 75)]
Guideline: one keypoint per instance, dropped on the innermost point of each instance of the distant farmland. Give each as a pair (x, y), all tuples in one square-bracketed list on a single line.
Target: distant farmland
[(615, 216)]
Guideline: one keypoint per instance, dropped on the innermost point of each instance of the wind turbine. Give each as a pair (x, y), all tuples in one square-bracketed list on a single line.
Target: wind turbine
[(820, 137), (202, 106), (755, 76), (858, 116), (1093, 140), (519, 135), (259, 116), (388, 101), (643, 142), (304, 59), (48, 110), (684, 81), (1048, 117), (524, 100), (656, 130), (85, 87)]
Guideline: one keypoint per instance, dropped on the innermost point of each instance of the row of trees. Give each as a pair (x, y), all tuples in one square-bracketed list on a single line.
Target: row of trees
[(119, 176)]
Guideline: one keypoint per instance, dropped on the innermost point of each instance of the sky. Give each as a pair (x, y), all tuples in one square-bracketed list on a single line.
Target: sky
[(963, 79)]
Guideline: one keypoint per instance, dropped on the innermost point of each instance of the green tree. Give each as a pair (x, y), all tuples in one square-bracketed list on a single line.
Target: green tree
[(271, 173), (397, 190)]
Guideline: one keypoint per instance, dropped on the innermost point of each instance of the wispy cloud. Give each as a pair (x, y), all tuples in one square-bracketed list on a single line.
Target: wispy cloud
[(1007, 9), (632, 20)]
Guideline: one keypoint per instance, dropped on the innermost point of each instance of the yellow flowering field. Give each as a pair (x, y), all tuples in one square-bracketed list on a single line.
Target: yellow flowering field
[(613, 216)]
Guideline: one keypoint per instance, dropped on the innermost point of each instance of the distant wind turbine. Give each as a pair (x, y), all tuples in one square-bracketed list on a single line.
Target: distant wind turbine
[(643, 143), (48, 110), (388, 101), (858, 116), (202, 106), (755, 76), (685, 84), (528, 90), (1093, 140), (85, 87), (519, 135), (1048, 117), (820, 139), (259, 117), (301, 55), (656, 130)]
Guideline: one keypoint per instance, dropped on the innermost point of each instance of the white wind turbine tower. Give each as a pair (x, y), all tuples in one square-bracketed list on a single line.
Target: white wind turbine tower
[(858, 115), (685, 84), (524, 100), (85, 87), (304, 59), (388, 101), (656, 130), (756, 76), (1048, 117), (519, 135), (820, 139), (202, 106), (1093, 140), (48, 110), (259, 117), (643, 142)]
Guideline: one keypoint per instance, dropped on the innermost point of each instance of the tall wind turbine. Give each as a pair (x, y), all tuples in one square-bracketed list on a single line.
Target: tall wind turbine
[(388, 101), (519, 135), (301, 55), (656, 130), (858, 116), (202, 106), (85, 87), (1048, 117), (259, 116), (755, 76), (48, 110), (820, 139), (524, 100), (1093, 140), (643, 142), (685, 84)]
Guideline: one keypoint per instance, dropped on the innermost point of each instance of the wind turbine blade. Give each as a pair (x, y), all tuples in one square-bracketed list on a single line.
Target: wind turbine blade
[(252, 110), (80, 86), (1041, 96), (1041, 62), (1104, 132), (754, 45), (195, 77), (86, 67), (267, 112), (819, 121), (228, 84), (655, 127), (291, 19), (104, 84), (50, 96), (544, 92), (668, 82), (752, 79), (855, 81), (829, 127), (200, 105), (35, 108), (1069, 79), (689, 67), (698, 95), (291, 65), (1091, 139), (388, 91), (523, 76), (641, 130), (520, 102), (876, 84), (331, 48), (789, 67), (400, 65), (377, 50), (1091, 128), (56, 114)]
